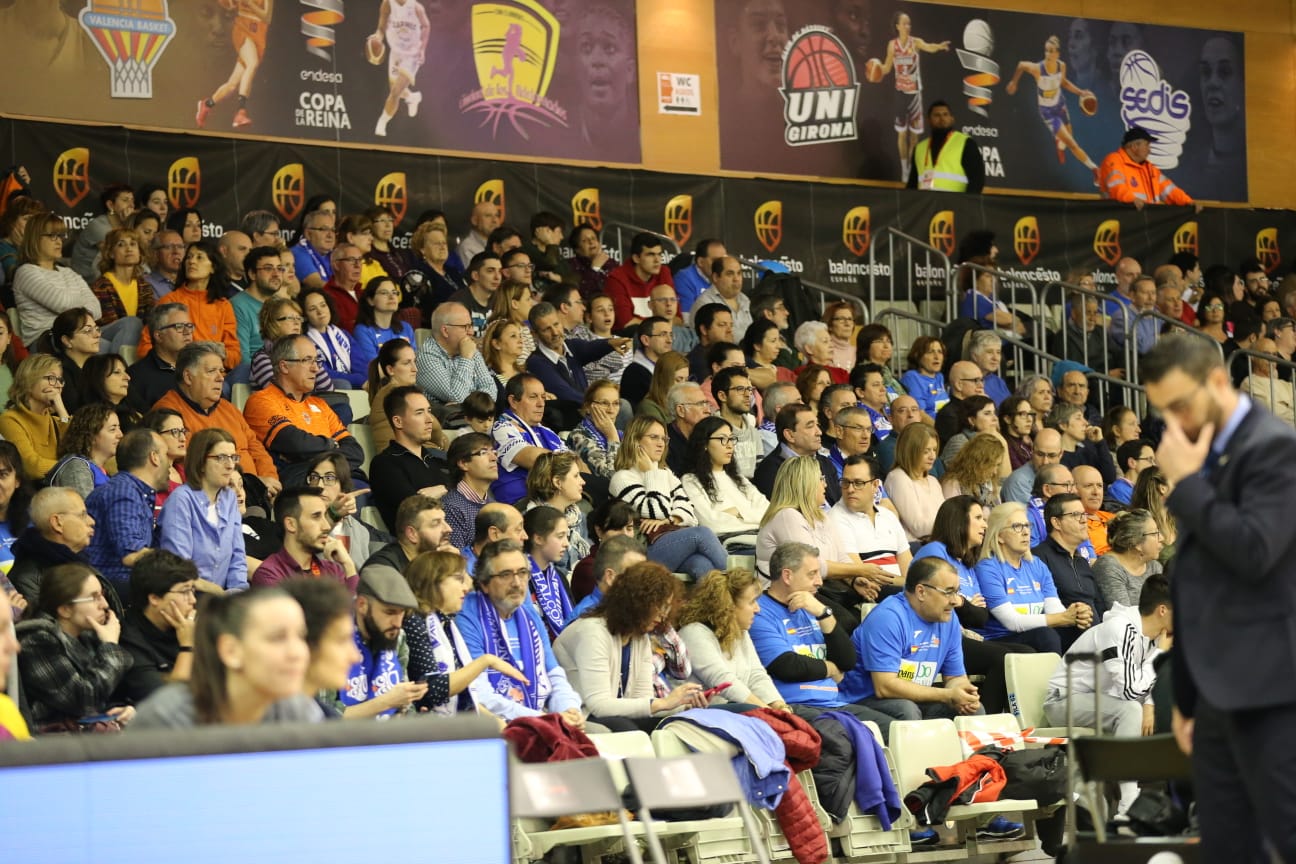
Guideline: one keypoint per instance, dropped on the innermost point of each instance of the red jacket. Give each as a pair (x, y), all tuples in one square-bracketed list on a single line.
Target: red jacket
[(345, 303), (1122, 179), (974, 780), (795, 813), (624, 287), (548, 738)]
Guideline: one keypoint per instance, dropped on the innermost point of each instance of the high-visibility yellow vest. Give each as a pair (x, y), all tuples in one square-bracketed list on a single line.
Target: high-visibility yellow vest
[(946, 175)]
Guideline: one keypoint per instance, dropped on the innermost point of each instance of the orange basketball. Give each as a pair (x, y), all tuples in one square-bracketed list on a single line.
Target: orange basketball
[(817, 60), (873, 70), (375, 49), (1089, 104)]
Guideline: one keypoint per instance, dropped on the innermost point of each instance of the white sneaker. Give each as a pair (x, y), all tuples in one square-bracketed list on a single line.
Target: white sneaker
[(412, 100)]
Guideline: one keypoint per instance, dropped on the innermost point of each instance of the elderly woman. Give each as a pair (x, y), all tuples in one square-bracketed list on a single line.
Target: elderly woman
[(280, 317), (815, 345), (596, 439), (914, 491), (875, 345), (1018, 587), (1038, 390), (985, 349), (1136, 544), (432, 244), (125, 296), (840, 318), (607, 652), (36, 417), (714, 626), (924, 380)]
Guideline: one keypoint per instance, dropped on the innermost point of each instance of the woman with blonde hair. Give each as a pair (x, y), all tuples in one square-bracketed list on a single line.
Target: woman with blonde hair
[(36, 417), (977, 470), (280, 317), (125, 296), (502, 348), (42, 287), (672, 368), (1018, 587), (916, 494), (714, 626), (667, 520), (1150, 491), (1136, 544), (513, 302), (437, 654)]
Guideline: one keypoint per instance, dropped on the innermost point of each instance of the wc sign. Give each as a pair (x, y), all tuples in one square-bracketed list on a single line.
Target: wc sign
[(679, 93)]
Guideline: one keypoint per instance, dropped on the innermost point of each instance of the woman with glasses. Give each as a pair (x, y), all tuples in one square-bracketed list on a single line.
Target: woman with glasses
[(912, 488), (1039, 392), (42, 287), (666, 518), (36, 416), (200, 520), (395, 262), (1150, 491), (333, 345), (722, 498), (1018, 587), (1136, 544), (513, 302), (811, 382), (168, 423), (840, 318), (106, 380), (376, 321), (332, 473), (74, 339), (71, 661), (1017, 426), (596, 439), (280, 317), (86, 448), (357, 230), (125, 296), (672, 368), (204, 288)]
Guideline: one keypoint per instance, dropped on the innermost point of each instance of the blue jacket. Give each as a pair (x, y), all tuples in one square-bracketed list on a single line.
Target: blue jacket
[(874, 792), (571, 386), (761, 766)]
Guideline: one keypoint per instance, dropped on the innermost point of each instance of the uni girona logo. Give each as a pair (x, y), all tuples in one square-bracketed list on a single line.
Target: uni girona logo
[(856, 231), (678, 224), (1106, 242), (72, 175), (288, 190), (492, 191), (586, 208), (392, 193), (184, 182), (1185, 238), (1026, 239), (940, 231), (769, 224)]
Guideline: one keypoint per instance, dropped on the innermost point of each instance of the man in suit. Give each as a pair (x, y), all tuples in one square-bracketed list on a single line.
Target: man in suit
[(652, 339), (1231, 467), (560, 364), (797, 427)]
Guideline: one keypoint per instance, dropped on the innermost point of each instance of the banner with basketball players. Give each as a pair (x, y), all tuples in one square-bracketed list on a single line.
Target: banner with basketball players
[(841, 88), (519, 77), (839, 236)]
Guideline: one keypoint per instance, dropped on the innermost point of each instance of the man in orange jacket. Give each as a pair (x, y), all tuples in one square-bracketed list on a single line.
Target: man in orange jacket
[(1127, 175)]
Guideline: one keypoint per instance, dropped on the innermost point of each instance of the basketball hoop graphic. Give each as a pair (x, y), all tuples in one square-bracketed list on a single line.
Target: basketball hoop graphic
[(131, 36)]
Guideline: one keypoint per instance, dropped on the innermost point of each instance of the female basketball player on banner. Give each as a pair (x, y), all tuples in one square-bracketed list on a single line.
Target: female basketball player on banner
[(902, 55), (1051, 79)]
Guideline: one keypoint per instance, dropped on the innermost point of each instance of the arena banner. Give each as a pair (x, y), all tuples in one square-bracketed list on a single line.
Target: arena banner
[(519, 77), (839, 88), (835, 235)]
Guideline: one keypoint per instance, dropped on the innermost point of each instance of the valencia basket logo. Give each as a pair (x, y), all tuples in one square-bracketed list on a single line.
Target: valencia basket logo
[(392, 193), (1185, 238), (678, 223), (1106, 243), (820, 89), (940, 231), (1026, 239), (1266, 249), (184, 182)]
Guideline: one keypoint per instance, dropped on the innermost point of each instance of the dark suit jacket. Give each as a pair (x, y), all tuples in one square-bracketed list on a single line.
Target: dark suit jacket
[(1234, 575), (768, 467), (569, 386)]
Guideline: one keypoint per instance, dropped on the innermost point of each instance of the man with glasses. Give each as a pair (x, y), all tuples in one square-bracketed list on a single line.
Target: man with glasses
[(1132, 458), (449, 364), (266, 279), (1046, 450), (517, 267), (60, 531), (966, 381), (169, 248), (474, 466), (294, 425), (312, 251), (409, 466), (733, 392), (1051, 480), (158, 630), (309, 547), (262, 228), (124, 507), (196, 397), (652, 340), (873, 533), (154, 374), (1066, 552), (688, 406), (344, 288)]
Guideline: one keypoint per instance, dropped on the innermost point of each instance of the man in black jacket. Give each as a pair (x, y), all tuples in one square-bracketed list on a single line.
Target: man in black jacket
[(1061, 551), (159, 628), (797, 428), (408, 466)]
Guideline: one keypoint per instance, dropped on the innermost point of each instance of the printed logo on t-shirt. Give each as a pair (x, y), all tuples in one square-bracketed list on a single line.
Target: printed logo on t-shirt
[(923, 673)]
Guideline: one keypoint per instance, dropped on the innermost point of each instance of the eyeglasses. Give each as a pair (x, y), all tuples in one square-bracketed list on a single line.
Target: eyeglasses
[(350, 259), (611, 406), (268, 268), (520, 575), (181, 327), (296, 319), (1070, 484), (171, 247), (746, 391), (725, 440), (177, 433), (329, 479), (226, 458), (96, 598), (184, 592), (324, 230), (944, 592), (485, 451), (855, 427), (53, 380), (468, 326), (857, 484), (1151, 460), (1031, 414), (1215, 306), (1153, 534), (1079, 517), (309, 361), (1019, 527), (842, 318), (521, 266), (275, 233), (60, 236), (664, 334)]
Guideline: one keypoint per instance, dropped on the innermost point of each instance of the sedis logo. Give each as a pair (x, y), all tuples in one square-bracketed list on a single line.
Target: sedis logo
[(184, 182), (769, 224), (393, 193), (288, 191), (492, 191), (1106, 242), (1149, 101), (1185, 238), (940, 232), (1266, 249), (130, 36), (586, 208), (515, 48), (679, 219), (820, 89), (983, 73), (72, 176), (1026, 239), (855, 231)]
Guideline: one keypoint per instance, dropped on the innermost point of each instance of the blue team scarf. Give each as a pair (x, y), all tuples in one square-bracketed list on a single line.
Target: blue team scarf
[(599, 438), (551, 596), (541, 436), (531, 663), (372, 676)]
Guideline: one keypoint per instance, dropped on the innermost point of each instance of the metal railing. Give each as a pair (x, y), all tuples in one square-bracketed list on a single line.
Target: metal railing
[(1277, 389), (758, 269), (1132, 354), (1066, 288), (936, 275), (1001, 279), (623, 244), (882, 316), (1041, 360)]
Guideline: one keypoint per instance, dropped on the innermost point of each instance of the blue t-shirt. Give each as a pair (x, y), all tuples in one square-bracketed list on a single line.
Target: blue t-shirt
[(590, 600), (929, 391), (776, 631), (6, 548), (968, 585), (995, 389), (689, 284), (894, 638), (881, 422), (1025, 588), (978, 307), (1121, 490)]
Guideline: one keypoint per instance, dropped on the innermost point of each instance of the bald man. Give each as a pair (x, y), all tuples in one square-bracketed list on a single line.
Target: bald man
[(965, 381), (1269, 384), (1048, 451), (234, 247), (1089, 486), (485, 218)]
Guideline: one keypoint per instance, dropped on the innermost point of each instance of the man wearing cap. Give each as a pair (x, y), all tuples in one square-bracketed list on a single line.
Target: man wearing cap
[(377, 685), (1127, 175)]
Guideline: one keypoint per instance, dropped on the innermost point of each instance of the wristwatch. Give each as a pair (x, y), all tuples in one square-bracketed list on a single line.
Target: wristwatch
[(827, 613)]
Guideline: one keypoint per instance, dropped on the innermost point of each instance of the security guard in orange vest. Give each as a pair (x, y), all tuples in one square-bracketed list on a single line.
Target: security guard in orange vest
[(1127, 175), (948, 161)]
